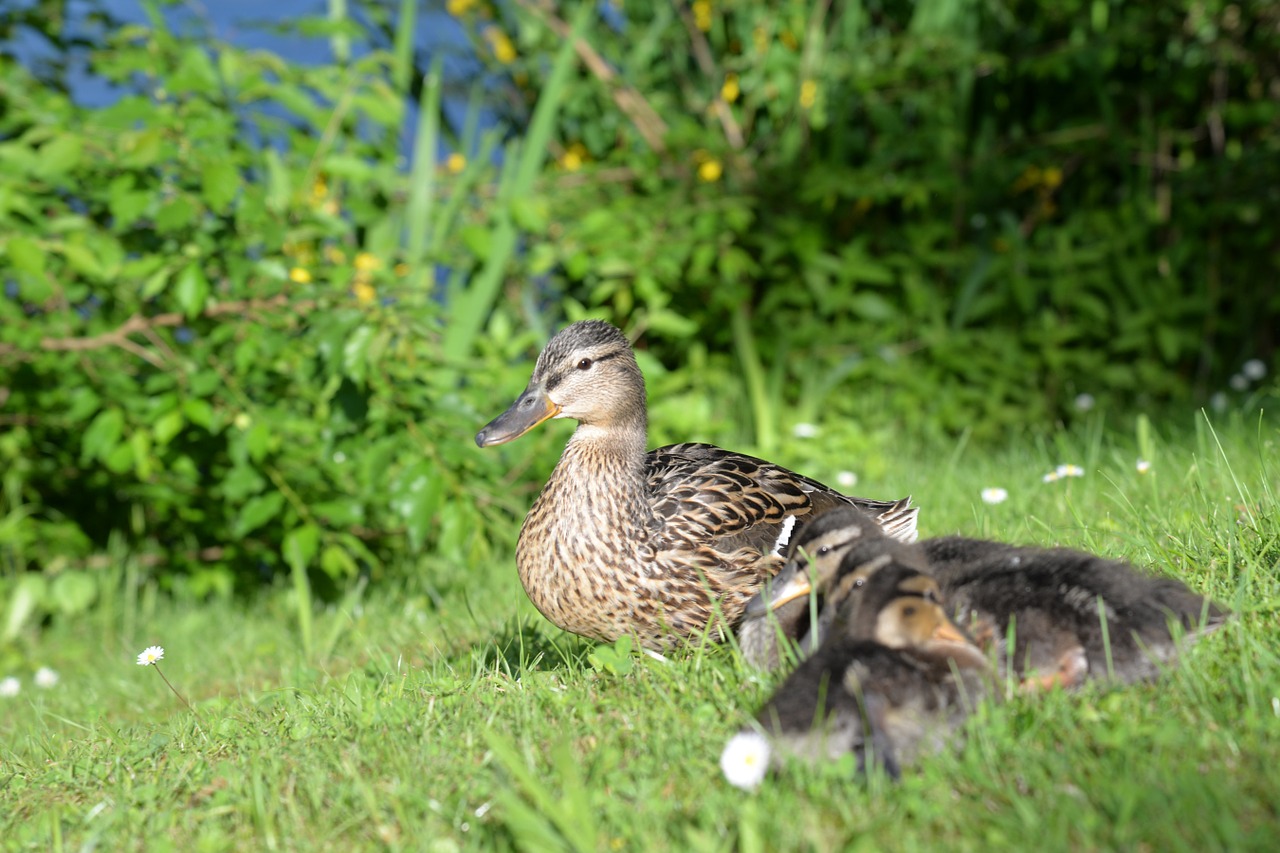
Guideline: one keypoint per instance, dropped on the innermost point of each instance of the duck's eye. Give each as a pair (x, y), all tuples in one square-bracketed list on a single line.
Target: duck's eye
[(585, 364), (860, 582), (908, 611), (823, 549)]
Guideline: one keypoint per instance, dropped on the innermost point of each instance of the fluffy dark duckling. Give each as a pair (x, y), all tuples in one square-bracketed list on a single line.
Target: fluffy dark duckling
[(1049, 597), (773, 622), (1054, 600), (892, 679)]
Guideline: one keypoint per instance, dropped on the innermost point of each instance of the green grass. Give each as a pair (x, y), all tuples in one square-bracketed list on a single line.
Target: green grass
[(448, 715)]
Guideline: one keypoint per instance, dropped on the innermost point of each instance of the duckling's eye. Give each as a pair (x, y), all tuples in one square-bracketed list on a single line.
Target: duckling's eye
[(585, 364), (823, 549), (860, 582), (908, 611)]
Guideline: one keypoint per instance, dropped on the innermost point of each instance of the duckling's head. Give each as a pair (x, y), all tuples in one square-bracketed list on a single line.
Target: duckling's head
[(587, 372), (896, 605), (814, 557)]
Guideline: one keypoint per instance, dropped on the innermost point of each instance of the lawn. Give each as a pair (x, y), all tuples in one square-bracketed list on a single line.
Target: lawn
[(445, 714)]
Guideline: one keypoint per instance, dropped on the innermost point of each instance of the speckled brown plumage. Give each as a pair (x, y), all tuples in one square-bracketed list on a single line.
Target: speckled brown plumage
[(653, 545)]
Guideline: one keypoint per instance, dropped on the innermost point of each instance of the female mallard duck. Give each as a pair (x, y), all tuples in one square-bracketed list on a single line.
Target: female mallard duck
[(653, 545), (1048, 600), (893, 673)]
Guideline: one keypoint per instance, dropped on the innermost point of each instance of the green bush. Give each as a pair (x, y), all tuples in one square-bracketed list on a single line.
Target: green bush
[(244, 339)]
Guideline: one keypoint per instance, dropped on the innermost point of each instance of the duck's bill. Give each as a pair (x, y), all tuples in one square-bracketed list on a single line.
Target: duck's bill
[(785, 589), (948, 639), (530, 409)]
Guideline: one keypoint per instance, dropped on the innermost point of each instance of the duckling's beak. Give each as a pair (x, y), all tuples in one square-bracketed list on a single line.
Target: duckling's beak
[(530, 409), (946, 633), (789, 589)]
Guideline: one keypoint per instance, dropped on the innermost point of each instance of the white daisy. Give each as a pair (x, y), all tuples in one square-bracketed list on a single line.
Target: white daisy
[(846, 479), (745, 759), (1084, 402), (804, 430), (995, 495), (1070, 471), (151, 655), (1239, 382), (46, 677), (1254, 368), (10, 687), (1218, 402), (1143, 466), (1051, 477)]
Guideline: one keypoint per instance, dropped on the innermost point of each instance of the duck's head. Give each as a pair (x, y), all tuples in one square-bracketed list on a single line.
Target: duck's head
[(896, 605), (814, 557), (587, 372)]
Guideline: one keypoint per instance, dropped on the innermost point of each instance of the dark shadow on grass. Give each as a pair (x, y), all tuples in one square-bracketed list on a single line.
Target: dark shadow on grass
[(524, 647)]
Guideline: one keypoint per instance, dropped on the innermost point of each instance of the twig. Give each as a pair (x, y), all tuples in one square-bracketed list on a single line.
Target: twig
[(144, 325), (702, 55), (647, 122)]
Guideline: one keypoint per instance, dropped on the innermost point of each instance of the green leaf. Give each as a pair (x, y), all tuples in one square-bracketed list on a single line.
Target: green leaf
[(257, 440), (167, 426), (415, 496), (191, 290), (256, 512), (73, 592), (219, 184), (300, 546), (26, 255), (60, 155), (337, 563), (355, 353), (26, 597), (199, 412), (102, 435)]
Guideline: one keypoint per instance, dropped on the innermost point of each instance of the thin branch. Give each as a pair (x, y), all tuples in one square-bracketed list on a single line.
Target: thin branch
[(702, 55), (647, 122), (140, 324)]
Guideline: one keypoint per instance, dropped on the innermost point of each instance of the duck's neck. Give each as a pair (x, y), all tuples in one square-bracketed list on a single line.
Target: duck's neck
[(601, 479)]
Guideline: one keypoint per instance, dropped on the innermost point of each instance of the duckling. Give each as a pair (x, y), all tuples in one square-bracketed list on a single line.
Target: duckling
[(893, 677), (781, 614), (1048, 599), (1072, 614), (654, 545)]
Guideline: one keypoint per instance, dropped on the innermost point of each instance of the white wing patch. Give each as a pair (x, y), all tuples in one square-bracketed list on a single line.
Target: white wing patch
[(788, 525)]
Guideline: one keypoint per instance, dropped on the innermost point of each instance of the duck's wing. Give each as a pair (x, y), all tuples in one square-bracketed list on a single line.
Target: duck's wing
[(705, 495)]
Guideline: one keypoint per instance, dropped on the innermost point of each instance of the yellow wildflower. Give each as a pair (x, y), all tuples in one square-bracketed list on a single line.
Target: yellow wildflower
[(503, 50), (298, 275), (789, 39), (366, 262), (702, 15), (760, 36), (455, 163), (319, 188), (334, 255), (458, 8), (710, 171), (808, 94), (365, 292), (1052, 177), (402, 268), (730, 90), (1030, 177), (573, 158)]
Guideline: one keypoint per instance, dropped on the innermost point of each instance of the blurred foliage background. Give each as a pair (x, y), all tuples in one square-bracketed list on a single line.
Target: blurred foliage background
[(253, 311)]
